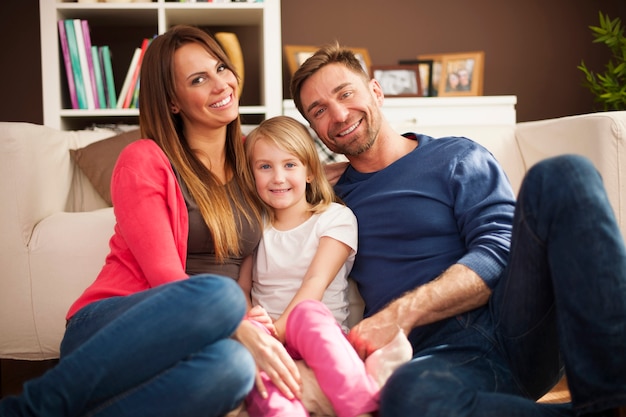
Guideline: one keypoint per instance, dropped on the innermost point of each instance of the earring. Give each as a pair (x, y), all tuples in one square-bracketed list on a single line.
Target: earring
[(175, 110)]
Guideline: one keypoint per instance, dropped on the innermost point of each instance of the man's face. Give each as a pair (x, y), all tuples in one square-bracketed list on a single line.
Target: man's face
[(342, 108)]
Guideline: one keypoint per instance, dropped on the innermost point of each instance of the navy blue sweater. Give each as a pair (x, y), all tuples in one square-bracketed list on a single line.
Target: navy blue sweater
[(446, 202)]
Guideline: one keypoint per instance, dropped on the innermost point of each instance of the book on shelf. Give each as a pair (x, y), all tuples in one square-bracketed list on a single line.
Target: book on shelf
[(99, 80), (135, 75), (105, 55), (84, 65), (76, 70), (68, 64), (128, 79), (90, 63)]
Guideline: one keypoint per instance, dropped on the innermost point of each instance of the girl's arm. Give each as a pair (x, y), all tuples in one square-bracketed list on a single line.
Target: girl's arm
[(330, 256)]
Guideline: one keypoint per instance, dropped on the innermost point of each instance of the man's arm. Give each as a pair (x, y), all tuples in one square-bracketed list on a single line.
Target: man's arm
[(457, 290)]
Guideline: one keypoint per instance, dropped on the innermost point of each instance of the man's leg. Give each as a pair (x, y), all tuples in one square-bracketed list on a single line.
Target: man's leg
[(564, 291)]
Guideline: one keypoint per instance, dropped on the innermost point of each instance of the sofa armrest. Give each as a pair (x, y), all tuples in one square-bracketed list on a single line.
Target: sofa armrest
[(601, 137)]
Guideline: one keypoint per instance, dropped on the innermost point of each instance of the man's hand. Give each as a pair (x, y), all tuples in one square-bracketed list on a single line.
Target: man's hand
[(374, 332)]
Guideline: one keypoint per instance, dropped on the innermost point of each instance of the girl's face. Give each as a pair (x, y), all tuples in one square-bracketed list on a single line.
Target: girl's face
[(280, 177), (206, 90)]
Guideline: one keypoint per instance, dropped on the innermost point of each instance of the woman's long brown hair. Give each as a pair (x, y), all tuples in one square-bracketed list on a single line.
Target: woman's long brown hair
[(160, 124)]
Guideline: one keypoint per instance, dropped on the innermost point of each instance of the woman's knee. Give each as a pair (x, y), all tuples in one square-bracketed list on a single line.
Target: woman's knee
[(213, 296)]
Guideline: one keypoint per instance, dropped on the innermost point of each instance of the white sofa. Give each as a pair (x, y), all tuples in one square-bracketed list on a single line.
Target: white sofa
[(55, 227)]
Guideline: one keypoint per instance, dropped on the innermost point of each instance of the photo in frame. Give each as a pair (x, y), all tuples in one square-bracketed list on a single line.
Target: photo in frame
[(462, 74), (297, 54), (398, 80), (425, 67)]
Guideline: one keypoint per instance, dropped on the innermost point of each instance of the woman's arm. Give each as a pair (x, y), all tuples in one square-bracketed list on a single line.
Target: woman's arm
[(330, 256)]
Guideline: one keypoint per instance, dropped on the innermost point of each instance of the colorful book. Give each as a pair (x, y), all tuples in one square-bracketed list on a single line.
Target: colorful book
[(133, 83), (99, 81), (92, 70), (134, 103), (105, 54), (84, 66), (128, 79), (68, 64), (76, 69)]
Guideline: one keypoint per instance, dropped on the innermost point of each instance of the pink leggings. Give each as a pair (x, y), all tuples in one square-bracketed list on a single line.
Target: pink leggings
[(313, 334)]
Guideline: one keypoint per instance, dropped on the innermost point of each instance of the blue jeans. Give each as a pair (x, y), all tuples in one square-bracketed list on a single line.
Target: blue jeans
[(162, 352), (560, 305)]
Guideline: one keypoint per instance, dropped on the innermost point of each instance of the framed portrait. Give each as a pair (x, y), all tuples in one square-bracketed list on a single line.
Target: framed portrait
[(425, 67), (462, 74), (398, 80), (297, 54)]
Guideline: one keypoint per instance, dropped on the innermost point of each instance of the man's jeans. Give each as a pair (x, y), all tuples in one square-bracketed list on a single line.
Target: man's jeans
[(561, 302), (161, 352)]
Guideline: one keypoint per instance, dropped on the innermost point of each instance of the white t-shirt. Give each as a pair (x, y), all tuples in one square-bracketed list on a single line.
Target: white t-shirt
[(283, 258)]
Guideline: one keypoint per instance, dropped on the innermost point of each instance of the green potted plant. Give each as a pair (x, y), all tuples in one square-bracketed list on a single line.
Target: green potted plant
[(609, 88)]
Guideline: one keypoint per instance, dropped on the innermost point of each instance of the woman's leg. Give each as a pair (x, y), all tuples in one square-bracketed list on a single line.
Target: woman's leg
[(209, 383), (564, 291), (136, 339), (313, 334)]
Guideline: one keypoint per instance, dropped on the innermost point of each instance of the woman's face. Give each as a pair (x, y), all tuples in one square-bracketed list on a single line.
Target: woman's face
[(206, 90)]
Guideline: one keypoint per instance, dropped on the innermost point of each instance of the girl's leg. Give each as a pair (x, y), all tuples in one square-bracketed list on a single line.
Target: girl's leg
[(114, 346), (313, 334), (276, 404)]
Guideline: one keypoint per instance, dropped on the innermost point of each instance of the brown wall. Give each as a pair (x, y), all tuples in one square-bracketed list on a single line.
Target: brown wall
[(532, 47)]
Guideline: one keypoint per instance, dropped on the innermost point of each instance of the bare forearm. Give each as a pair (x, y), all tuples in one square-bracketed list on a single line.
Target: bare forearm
[(457, 290)]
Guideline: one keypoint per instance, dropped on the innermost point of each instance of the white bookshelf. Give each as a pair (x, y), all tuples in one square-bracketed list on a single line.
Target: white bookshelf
[(145, 19)]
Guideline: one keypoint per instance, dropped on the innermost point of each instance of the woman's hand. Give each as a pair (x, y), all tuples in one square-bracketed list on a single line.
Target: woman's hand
[(272, 357)]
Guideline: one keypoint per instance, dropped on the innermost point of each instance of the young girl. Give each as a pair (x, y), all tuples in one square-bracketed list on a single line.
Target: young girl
[(304, 257)]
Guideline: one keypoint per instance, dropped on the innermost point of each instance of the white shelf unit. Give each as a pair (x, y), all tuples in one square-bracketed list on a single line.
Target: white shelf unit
[(123, 25)]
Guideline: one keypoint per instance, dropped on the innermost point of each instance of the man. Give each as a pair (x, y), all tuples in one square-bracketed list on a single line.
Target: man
[(494, 301)]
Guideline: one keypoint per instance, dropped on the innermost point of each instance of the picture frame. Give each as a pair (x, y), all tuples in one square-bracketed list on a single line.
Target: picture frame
[(462, 74), (297, 54), (435, 74), (426, 73), (398, 80)]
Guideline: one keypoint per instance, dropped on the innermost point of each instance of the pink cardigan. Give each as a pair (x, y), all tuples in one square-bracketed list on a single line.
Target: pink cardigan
[(149, 244)]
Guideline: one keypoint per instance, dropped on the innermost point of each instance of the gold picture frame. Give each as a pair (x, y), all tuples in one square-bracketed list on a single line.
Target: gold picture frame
[(297, 54), (462, 74)]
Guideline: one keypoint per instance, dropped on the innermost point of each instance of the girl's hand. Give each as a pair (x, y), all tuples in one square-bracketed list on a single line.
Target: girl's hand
[(272, 357), (258, 314)]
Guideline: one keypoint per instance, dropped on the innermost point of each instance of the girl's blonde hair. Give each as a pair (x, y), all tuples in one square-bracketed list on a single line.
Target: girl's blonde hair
[(293, 137), (159, 123)]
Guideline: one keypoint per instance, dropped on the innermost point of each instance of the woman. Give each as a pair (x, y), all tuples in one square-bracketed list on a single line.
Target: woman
[(144, 339)]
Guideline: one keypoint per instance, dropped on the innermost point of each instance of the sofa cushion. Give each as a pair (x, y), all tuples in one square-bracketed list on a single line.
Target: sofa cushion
[(98, 159)]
